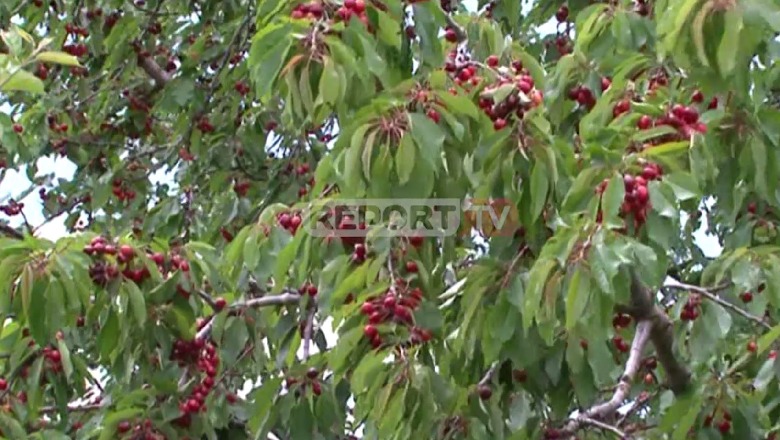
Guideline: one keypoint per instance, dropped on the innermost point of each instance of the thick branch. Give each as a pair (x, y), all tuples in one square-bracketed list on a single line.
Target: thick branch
[(643, 307), (601, 411), (712, 296), (11, 232), (150, 66)]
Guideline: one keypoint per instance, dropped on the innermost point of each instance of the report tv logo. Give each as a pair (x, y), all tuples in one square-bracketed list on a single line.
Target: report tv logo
[(412, 217)]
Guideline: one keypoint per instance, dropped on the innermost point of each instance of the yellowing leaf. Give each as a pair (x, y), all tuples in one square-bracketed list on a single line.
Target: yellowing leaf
[(58, 58), (21, 81)]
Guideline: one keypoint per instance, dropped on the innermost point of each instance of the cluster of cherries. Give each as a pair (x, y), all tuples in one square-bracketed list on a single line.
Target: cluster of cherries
[(302, 172), (315, 10), (141, 431), (309, 380), (690, 310), (684, 119), (205, 125), (636, 199), (76, 49), (513, 105), (102, 271), (241, 187), (290, 221), (204, 355), (562, 39), (121, 191), (724, 426), (620, 321), (396, 306), (12, 208), (584, 96)]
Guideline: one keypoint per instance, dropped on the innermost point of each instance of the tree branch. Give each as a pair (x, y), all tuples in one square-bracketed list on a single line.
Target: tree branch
[(11, 232), (307, 329), (150, 66), (643, 334), (289, 297), (712, 296)]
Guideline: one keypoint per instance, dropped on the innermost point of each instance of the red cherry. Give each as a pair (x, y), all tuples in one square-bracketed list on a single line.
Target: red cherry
[(316, 388), (499, 124), (752, 346), (644, 122), (746, 297), (411, 267), (367, 308), (3, 384), (184, 266), (492, 61), (123, 427), (485, 392), (605, 83), (724, 427), (450, 35), (18, 128), (126, 252), (697, 97), (562, 14), (220, 303), (370, 331), (433, 115)]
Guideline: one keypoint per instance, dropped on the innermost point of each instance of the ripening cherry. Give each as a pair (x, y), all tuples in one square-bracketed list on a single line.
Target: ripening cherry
[(562, 14), (450, 35), (492, 61), (485, 392), (370, 331), (644, 122), (752, 346), (433, 115)]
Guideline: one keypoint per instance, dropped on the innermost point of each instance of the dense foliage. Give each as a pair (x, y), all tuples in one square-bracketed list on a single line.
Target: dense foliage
[(202, 133)]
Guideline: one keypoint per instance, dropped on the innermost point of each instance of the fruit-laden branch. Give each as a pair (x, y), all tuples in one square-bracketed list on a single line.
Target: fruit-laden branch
[(592, 416), (289, 297), (711, 294), (459, 31)]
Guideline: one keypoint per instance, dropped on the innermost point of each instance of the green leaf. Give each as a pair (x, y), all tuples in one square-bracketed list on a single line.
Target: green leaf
[(767, 339), (11, 428), (404, 159), (540, 272), (137, 302), (58, 58), (613, 199), (267, 54), (108, 338), (20, 81), (262, 400), (389, 29), (577, 297), (539, 186), (730, 40), (330, 83), (430, 138)]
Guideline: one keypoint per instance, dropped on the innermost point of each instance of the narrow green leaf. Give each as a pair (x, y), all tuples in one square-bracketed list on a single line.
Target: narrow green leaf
[(404, 159), (730, 40), (540, 184)]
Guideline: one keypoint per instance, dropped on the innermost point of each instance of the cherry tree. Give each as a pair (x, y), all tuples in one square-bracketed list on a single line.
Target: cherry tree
[(192, 294)]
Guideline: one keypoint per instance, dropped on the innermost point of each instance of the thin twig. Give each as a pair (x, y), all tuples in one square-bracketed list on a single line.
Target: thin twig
[(488, 374), (712, 296), (11, 232), (604, 426), (74, 408), (264, 301)]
